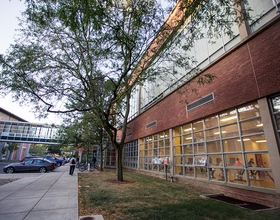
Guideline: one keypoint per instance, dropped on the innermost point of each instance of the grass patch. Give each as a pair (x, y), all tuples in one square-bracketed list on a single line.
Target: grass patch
[(146, 197)]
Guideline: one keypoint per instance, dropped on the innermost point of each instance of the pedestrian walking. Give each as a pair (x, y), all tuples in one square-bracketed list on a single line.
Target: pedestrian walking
[(93, 161), (72, 165)]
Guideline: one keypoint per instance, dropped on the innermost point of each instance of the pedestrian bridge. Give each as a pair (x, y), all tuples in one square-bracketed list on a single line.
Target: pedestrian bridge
[(26, 132)]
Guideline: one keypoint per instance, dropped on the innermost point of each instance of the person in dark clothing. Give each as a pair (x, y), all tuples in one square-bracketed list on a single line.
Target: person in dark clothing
[(93, 161), (72, 165)]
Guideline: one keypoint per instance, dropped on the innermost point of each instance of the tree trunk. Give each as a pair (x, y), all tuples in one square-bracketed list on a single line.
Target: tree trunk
[(119, 164), (101, 157)]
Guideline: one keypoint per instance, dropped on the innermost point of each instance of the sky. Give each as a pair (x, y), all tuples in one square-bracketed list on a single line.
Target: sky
[(9, 11)]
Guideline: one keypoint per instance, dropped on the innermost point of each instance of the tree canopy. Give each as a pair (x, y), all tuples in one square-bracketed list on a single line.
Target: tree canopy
[(88, 55)]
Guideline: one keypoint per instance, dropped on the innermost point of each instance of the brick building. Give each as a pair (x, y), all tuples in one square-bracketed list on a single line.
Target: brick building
[(224, 137)]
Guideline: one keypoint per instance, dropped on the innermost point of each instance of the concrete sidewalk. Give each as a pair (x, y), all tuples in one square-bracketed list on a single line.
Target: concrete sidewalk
[(51, 196)]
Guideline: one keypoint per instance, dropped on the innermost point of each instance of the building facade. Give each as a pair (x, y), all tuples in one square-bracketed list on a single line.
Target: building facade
[(226, 133)]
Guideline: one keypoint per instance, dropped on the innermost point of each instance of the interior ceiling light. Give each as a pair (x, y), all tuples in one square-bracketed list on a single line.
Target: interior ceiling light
[(230, 118)]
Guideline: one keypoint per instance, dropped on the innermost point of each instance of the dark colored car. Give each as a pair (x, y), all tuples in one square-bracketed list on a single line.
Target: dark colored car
[(28, 158), (31, 165), (53, 158)]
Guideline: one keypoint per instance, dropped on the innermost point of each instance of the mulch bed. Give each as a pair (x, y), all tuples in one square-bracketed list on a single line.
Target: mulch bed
[(119, 182)]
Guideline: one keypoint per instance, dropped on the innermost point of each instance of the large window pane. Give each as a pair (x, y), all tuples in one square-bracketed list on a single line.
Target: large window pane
[(198, 137), (212, 134), (232, 145), (255, 143), (201, 172), (197, 126), (211, 122), (187, 128), (261, 178), (187, 139), (214, 147), (276, 104), (178, 150), (230, 131), (236, 176), (234, 160), (252, 127), (228, 117), (188, 160), (177, 140), (258, 160), (189, 171), (249, 111), (199, 148), (177, 131), (188, 149)]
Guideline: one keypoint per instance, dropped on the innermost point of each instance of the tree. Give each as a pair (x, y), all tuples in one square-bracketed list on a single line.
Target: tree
[(78, 56), (38, 150), (83, 131), (12, 147)]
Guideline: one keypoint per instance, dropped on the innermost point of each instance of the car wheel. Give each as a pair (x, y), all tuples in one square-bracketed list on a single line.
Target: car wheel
[(10, 170), (58, 164), (42, 170)]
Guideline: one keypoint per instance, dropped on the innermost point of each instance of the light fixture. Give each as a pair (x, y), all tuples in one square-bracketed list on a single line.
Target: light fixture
[(245, 139), (189, 138), (189, 129), (259, 125), (219, 132), (230, 118), (260, 141)]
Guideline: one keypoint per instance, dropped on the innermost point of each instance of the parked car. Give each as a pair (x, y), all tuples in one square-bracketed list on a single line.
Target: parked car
[(53, 158), (35, 164), (28, 158)]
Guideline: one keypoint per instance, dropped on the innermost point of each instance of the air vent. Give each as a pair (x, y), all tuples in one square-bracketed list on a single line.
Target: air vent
[(200, 102), (152, 124), (129, 134)]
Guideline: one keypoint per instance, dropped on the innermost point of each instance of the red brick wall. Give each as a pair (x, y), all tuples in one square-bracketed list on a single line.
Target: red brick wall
[(250, 72)]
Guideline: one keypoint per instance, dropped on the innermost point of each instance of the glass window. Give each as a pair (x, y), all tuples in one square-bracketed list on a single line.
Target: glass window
[(212, 134), (197, 126), (187, 139), (178, 160), (177, 131), (199, 148), (249, 111), (189, 160), (211, 122), (252, 127), (214, 147), (198, 136), (178, 150), (201, 172), (200, 160), (189, 171), (187, 128), (179, 170), (232, 145), (258, 160), (230, 131), (276, 104), (255, 143), (236, 176), (177, 140), (228, 117), (234, 160), (188, 149)]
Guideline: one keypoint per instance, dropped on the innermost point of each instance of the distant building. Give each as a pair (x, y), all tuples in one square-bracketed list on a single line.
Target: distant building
[(22, 147)]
